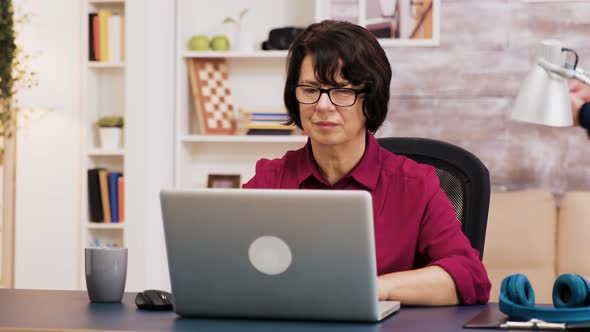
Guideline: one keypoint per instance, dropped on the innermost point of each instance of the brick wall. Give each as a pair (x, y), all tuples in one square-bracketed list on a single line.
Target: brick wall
[(462, 91)]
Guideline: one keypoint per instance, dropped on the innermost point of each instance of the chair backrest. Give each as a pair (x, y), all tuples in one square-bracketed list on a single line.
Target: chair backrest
[(463, 177)]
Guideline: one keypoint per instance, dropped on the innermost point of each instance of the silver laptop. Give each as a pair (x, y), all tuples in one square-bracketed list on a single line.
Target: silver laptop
[(287, 254)]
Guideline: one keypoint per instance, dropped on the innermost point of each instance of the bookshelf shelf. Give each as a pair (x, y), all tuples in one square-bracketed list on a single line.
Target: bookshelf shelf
[(106, 1), (117, 226), (113, 65), (106, 153), (234, 54), (243, 138)]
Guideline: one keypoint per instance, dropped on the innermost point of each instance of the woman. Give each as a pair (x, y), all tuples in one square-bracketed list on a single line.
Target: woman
[(337, 90)]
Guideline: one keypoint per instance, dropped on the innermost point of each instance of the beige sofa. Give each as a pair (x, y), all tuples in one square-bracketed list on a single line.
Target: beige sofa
[(528, 233)]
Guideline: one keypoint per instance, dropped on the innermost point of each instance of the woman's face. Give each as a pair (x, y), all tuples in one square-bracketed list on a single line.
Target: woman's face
[(324, 122)]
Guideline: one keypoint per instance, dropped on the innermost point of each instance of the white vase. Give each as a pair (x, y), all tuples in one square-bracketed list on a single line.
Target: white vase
[(111, 138), (245, 41)]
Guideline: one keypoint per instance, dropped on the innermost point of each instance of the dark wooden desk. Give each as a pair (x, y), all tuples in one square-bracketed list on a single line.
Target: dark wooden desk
[(71, 310)]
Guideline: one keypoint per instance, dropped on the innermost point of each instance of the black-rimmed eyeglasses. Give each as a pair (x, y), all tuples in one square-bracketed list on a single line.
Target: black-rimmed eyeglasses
[(343, 97)]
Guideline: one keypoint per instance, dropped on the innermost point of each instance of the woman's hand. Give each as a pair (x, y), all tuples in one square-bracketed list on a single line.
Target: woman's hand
[(428, 286), (382, 289)]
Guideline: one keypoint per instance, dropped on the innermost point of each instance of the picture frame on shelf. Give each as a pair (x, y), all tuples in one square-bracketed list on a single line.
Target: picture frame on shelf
[(393, 22), (226, 181)]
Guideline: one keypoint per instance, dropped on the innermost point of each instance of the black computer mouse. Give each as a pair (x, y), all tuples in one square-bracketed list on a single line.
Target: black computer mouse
[(153, 299)]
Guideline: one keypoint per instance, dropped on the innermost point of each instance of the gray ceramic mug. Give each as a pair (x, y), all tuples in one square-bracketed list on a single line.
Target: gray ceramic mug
[(106, 272)]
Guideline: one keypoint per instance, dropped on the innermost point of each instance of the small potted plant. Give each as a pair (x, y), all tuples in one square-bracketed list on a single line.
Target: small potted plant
[(244, 39), (110, 131)]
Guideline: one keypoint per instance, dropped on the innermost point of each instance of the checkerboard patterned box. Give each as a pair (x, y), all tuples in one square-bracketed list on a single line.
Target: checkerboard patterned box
[(212, 96)]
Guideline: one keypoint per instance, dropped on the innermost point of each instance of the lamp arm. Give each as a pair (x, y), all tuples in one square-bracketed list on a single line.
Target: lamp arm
[(578, 74), (582, 76)]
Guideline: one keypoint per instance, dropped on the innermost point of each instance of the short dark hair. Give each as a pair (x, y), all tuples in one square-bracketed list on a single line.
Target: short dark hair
[(363, 63)]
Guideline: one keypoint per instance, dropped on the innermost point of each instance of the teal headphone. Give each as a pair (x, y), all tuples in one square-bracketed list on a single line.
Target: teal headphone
[(571, 299)]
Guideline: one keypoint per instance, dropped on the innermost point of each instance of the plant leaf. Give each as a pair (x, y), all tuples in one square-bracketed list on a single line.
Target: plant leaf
[(244, 12), (229, 20)]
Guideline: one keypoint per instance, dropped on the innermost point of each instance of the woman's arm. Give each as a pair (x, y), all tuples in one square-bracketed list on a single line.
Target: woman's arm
[(447, 269), (429, 286)]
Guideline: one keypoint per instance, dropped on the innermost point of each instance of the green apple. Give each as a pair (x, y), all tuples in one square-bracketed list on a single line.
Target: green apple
[(220, 43), (199, 43)]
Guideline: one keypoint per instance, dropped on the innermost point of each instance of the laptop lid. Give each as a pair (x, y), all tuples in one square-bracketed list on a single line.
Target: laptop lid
[(295, 254)]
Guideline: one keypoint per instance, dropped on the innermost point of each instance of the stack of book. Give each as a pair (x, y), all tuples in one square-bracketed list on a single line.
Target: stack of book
[(105, 34), (106, 193), (266, 122)]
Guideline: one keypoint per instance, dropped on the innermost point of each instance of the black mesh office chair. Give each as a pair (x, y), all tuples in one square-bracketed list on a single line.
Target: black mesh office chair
[(463, 177)]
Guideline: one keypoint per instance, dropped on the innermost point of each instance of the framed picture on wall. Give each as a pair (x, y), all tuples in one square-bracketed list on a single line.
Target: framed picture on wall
[(223, 181), (393, 22)]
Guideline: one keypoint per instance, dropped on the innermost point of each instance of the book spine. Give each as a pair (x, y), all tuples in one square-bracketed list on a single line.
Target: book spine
[(121, 196), (113, 199), (94, 199), (91, 32), (263, 111), (114, 38), (272, 126), (104, 195), (269, 132), (103, 17), (96, 39)]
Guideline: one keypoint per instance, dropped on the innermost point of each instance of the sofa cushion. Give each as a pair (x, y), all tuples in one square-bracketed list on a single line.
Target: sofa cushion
[(521, 238), (573, 236)]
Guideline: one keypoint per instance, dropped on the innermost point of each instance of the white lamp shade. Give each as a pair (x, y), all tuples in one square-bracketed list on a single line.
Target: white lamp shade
[(543, 99), (544, 96)]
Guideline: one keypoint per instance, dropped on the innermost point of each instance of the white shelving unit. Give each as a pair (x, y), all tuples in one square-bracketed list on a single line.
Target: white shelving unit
[(102, 152), (256, 79), (105, 226), (242, 139), (95, 64), (103, 93), (98, 2), (234, 54)]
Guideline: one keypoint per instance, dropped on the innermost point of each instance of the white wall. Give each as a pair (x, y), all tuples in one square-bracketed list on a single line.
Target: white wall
[(149, 125), (48, 149)]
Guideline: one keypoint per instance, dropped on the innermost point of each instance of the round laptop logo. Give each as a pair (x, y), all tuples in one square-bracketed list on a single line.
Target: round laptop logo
[(270, 255)]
